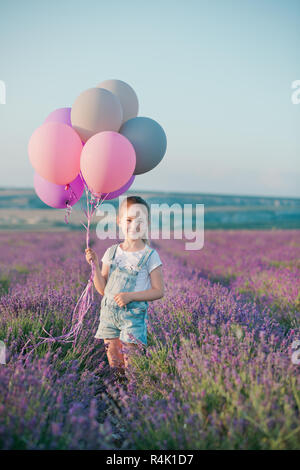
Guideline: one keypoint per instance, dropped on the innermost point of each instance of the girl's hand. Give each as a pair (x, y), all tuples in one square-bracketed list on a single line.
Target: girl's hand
[(90, 255), (123, 298)]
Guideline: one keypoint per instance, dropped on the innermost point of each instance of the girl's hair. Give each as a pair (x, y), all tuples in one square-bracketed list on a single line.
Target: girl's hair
[(138, 200)]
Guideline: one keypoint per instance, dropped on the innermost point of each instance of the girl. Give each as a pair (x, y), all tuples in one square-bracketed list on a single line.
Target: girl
[(131, 275)]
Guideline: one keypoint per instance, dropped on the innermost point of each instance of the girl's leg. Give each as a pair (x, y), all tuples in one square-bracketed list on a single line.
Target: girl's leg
[(131, 347), (114, 353)]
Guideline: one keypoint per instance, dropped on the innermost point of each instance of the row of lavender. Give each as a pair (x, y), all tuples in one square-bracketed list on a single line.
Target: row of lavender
[(218, 373), (218, 370), (263, 266), (52, 398)]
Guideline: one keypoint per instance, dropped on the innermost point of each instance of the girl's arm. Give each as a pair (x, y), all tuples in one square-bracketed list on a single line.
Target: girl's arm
[(157, 287), (100, 277)]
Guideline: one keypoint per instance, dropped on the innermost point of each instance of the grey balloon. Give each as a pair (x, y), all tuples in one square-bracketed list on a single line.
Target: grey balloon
[(149, 141), (126, 95), (96, 110)]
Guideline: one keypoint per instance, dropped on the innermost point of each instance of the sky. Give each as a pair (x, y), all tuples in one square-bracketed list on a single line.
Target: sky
[(215, 74)]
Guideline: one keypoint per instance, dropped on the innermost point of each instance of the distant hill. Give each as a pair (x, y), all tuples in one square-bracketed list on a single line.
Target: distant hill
[(22, 209)]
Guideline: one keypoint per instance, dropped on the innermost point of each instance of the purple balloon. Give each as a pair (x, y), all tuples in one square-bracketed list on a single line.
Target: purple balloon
[(119, 191), (55, 195), (60, 115)]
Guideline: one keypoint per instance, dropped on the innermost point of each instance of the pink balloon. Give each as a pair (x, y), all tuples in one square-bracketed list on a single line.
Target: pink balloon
[(60, 115), (119, 191), (57, 195), (107, 161), (54, 151)]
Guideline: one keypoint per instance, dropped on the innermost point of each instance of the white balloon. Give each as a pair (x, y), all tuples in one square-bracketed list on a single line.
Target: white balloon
[(126, 95), (96, 110)]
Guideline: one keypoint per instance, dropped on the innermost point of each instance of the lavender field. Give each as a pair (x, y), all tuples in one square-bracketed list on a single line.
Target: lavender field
[(217, 373)]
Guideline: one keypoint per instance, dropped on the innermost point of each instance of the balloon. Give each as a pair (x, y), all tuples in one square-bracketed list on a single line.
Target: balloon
[(126, 95), (60, 115), (54, 151), (118, 192), (107, 161), (96, 110), (56, 195), (149, 141)]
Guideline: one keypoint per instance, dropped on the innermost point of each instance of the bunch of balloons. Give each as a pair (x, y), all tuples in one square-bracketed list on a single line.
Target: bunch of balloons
[(100, 145), (100, 142)]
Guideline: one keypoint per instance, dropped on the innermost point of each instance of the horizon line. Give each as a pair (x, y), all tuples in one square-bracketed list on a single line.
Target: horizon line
[(174, 192)]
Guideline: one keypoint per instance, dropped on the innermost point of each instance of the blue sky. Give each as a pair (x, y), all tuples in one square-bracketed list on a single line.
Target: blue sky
[(215, 74)]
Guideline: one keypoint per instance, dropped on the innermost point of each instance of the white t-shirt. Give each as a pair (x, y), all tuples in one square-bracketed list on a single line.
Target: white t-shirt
[(130, 259)]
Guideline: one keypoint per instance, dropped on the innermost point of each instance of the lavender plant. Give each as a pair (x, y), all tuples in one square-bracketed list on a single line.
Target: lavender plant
[(217, 373)]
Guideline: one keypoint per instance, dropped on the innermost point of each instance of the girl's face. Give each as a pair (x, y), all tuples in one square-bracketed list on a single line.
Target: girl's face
[(133, 221)]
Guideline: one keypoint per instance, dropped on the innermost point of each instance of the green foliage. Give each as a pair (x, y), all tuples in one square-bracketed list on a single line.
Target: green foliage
[(4, 283)]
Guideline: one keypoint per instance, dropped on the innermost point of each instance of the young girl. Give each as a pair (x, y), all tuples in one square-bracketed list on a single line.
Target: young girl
[(131, 276)]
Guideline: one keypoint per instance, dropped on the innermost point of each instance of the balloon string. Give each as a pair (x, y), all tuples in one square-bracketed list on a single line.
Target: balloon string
[(72, 198), (87, 297), (68, 213)]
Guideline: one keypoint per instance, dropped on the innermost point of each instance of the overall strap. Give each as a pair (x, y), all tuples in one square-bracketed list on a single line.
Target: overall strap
[(112, 251), (145, 257)]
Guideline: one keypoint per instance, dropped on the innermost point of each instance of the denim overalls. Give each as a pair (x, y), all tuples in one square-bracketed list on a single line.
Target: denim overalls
[(118, 322)]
